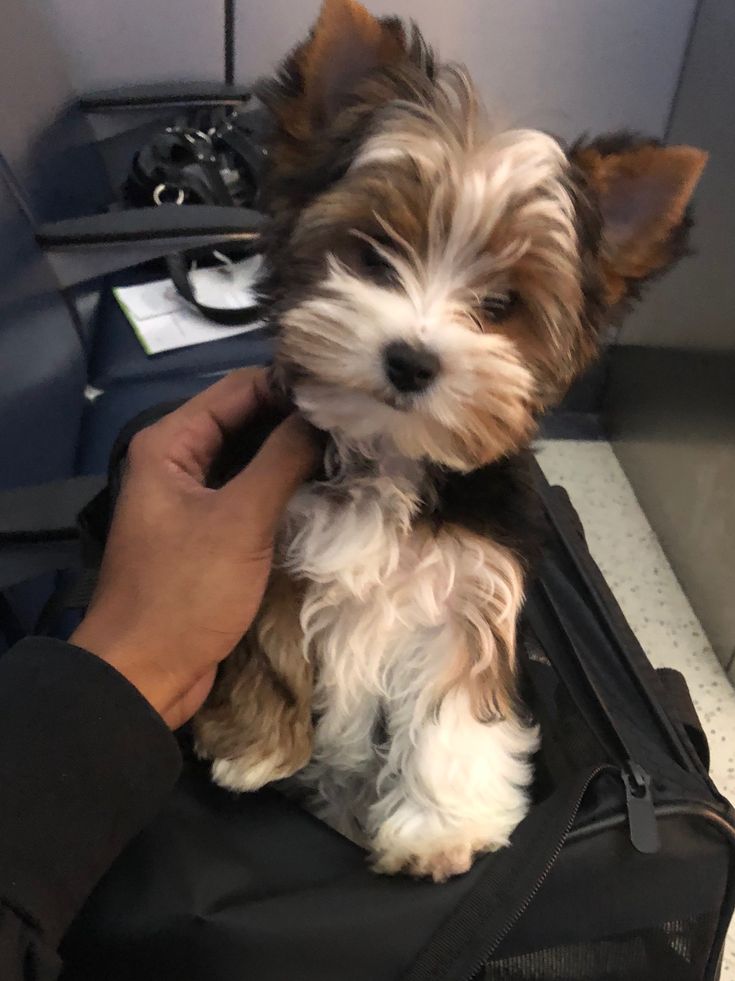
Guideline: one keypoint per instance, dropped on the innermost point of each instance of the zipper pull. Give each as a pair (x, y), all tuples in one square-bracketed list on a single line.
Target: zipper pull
[(641, 815)]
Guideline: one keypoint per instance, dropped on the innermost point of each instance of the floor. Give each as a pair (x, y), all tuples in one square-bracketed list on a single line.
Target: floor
[(634, 565)]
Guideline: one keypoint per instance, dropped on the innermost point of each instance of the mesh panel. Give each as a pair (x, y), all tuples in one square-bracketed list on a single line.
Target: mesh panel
[(676, 951)]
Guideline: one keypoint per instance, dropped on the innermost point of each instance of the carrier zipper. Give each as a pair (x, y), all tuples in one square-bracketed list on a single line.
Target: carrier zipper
[(642, 823), (638, 777), (520, 910), (615, 621)]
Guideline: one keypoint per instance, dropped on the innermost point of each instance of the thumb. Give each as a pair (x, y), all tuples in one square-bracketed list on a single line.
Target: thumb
[(287, 458)]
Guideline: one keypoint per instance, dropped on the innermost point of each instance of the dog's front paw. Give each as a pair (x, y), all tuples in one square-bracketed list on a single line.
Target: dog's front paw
[(245, 758), (251, 772), (421, 845), (438, 862)]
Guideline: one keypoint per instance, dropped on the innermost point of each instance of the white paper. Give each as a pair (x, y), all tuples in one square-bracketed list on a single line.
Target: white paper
[(164, 321)]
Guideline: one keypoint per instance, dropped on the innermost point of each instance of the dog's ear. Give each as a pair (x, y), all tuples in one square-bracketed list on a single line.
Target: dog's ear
[(643, 190), (345, 45)]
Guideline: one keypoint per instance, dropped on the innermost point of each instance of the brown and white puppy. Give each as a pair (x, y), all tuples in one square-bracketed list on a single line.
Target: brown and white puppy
[(436, 283)]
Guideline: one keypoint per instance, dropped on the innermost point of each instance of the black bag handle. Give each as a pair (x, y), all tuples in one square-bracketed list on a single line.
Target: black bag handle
[(632, 659), (178, 269), (681, 707), (211, 157)]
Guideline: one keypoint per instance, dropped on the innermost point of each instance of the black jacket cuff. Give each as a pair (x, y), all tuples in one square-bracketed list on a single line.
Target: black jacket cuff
[(85, 763)]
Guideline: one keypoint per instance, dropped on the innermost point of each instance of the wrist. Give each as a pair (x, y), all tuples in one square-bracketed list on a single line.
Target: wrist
[(134, 660)]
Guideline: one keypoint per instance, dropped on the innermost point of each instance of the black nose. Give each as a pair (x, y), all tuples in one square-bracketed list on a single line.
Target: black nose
[(410, 369)]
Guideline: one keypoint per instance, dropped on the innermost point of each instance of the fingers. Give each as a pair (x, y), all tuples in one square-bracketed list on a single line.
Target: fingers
[(192, 435), (229, 403), (288, 457), (232, 399)]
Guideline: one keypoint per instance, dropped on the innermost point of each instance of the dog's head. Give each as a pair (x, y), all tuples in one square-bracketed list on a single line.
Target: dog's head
[(437, 281)]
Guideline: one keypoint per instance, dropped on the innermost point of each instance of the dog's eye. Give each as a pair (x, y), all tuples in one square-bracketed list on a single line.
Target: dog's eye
[(500, 306), (375, 265)]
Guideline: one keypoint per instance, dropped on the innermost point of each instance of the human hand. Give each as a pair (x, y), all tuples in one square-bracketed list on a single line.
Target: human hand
[(185, 566)]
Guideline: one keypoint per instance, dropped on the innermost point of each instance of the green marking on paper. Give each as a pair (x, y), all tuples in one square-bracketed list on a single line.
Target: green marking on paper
[(131, 320)]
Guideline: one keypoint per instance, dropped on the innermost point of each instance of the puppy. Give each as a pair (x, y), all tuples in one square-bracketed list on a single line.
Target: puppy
[(436, 283)]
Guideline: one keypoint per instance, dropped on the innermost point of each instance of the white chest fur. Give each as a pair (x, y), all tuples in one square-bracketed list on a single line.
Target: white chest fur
[(356, 549), (387, 612)]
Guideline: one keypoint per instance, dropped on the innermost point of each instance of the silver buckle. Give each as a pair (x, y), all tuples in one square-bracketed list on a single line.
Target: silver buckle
[(159, 191)]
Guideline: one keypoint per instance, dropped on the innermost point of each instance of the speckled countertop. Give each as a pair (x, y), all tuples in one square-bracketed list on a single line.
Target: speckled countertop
[(636, 569)]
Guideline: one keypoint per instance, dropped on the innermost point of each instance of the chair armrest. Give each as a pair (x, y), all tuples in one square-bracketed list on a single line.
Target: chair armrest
[(38, 527), (146, 98), (46, 512), (142, 224), (19, 563), (81, 249)]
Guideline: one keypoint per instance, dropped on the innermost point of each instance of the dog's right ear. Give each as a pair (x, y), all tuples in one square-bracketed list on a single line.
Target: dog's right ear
[(642, 190), (345, 45)]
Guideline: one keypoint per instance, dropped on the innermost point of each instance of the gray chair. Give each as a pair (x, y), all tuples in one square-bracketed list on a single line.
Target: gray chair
[(63, 170), (52, 436)]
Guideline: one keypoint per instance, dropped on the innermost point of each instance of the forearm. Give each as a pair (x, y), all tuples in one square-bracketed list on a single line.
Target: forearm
[(85, 763)]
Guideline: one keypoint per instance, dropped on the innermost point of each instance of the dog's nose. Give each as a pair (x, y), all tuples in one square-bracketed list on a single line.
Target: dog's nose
[(410, 369)]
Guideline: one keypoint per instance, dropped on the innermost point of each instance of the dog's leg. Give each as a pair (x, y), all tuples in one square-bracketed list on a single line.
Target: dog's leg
[(256, 724), (340, 780), (458, 765)]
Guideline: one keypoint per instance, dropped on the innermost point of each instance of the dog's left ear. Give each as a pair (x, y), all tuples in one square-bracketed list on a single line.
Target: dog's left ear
[(643, 190), (346, 44)]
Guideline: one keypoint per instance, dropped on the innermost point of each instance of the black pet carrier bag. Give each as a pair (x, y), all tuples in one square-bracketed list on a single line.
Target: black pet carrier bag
[(622, 871)]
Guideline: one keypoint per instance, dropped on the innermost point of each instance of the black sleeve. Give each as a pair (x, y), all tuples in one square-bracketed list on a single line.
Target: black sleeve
[(85, 763)]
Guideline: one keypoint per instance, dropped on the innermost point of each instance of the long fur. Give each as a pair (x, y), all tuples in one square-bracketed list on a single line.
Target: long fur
[(382, 669)]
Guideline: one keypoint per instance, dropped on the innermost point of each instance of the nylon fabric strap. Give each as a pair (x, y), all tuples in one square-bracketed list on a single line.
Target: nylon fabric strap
[(76, 594), (239, 316), (681, 707), (481, 921)]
